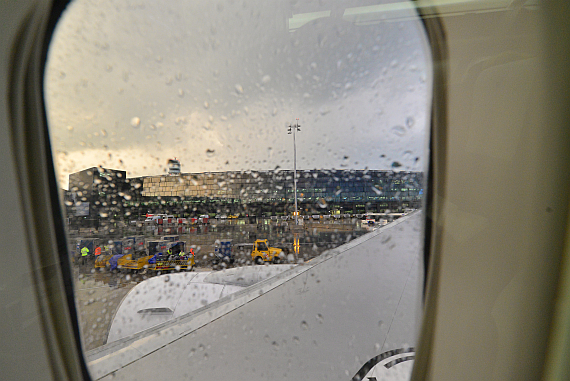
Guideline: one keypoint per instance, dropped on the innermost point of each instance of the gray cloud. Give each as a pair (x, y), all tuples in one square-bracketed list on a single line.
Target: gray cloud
[(228, 77)]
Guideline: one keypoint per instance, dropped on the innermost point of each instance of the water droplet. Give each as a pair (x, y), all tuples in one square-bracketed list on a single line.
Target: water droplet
[(167, 278), (210, 152), (206, 105), (322, 203), (319, 318), (239, 89), (136, 122), (103, 214), (377, 347), (181, 93), (410, 122), (396, 164), (399, 130), (296, 340), (275, 345), (69, 128), (304, 325), (127, 277), (266, 79)]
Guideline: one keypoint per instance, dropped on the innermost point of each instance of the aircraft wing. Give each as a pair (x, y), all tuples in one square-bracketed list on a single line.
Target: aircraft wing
[(372, 283)]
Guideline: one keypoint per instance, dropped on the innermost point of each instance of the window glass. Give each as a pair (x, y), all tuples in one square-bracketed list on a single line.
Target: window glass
[(185, 131)]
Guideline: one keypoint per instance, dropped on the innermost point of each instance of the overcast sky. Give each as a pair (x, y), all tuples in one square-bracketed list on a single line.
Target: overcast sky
[(130, 84)]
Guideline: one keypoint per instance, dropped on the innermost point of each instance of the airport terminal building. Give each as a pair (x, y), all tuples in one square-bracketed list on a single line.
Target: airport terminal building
[(248, 193)]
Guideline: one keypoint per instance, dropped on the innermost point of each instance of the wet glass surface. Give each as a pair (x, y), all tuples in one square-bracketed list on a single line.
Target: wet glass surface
[(217, 124)]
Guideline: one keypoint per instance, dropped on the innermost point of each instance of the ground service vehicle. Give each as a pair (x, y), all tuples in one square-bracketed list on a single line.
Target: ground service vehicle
[(138, 261), (496, 277), (102, 260), (122, 250), (175, 258), (262, 253), (147, 260), (171, 238), (138, 243), (223, 252), (118, 249)]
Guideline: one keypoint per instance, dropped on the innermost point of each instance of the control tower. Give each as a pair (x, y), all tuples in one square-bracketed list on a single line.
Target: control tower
[(173, 167)]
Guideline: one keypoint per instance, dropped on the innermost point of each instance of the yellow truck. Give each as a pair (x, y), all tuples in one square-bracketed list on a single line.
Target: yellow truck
[(262, 253)]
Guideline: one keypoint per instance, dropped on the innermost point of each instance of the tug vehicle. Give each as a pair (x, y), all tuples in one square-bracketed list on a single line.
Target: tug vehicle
[(262, 253)]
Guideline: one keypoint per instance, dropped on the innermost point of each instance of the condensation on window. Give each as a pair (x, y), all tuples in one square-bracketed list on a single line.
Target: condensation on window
[(212, 152)]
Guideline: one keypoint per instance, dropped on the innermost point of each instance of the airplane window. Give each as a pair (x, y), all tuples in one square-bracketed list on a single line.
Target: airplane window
[(211, 151)]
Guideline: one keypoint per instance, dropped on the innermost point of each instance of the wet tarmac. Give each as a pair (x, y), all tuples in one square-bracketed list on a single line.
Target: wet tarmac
[(98, 292)]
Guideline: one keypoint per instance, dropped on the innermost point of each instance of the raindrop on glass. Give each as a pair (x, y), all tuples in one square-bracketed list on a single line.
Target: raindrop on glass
[(399, 130), (136, 122)]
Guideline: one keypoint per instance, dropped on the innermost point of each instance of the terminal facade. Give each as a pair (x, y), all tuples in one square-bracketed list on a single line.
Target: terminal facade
[(240, 193)]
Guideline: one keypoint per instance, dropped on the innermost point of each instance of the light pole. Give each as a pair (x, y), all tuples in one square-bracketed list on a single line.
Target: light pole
[(293, 129)]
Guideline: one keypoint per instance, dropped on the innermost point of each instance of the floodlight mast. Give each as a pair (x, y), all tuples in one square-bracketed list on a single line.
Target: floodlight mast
[(293, 129)]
